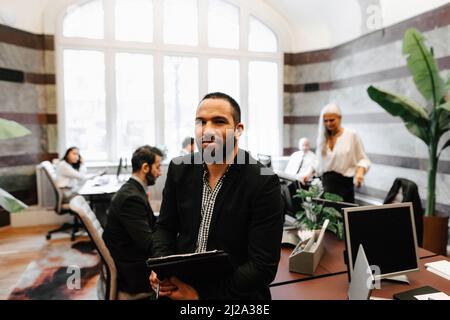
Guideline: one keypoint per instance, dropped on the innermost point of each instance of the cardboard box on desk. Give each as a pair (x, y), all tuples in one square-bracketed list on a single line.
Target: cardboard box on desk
[(306, 256)]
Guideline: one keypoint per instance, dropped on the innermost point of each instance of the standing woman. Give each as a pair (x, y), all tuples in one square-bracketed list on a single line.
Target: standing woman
[(71, 173), (342, 160)]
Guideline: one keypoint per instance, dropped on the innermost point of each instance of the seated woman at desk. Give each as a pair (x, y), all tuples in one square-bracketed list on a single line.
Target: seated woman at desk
[(71, 173)]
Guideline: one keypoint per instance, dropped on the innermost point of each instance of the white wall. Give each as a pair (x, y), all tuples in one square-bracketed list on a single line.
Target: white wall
[(23, 14), (395, 11), (322, 24), (307, 24)]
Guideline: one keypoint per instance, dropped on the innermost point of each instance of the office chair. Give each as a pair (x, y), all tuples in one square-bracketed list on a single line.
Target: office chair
[(107, 283), (60, 207), (265, 160), (404, 190)]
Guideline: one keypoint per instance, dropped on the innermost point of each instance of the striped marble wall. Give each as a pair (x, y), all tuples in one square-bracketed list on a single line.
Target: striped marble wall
[(342, 74), (27, 95)]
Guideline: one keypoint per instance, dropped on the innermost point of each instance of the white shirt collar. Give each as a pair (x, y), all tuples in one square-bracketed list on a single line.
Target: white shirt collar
[(140, 182)]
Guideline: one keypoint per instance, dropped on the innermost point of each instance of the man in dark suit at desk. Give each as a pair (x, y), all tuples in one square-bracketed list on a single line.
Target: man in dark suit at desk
[(130, 222), (220, 198)]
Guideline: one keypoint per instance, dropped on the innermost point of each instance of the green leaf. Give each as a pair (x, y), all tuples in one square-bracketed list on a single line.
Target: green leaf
[(444, 118), (340, 228), (11, 129), (423, 66), (9, 203), (445, 146), (419, 132), (414, 115), (332, 228), (332, 197), (331, 212)]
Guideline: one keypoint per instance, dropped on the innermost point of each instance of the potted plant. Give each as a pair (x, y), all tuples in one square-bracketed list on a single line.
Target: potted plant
[(9, 130), (313, 214), (428, 123)]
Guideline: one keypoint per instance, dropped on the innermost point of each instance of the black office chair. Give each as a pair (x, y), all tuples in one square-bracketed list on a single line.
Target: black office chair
[(404, 190), (61, 207), (289, 189)]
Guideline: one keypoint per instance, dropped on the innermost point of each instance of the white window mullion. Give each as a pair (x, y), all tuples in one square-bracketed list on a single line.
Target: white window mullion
[(244, 99), (243, 29), (111, 104), (158, 17), (203, 44), (203, 76), (158, 60), (244, 61), (108, 6), (203, 23), (110, 81), (159, 97)]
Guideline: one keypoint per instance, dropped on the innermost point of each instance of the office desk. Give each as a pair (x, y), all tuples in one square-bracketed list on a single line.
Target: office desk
[(332, 261), (100, 195), (335, 287), (90, 188)]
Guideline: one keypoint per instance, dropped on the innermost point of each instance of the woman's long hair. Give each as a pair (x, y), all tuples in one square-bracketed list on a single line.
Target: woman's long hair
[(323, 135), (76, 165)]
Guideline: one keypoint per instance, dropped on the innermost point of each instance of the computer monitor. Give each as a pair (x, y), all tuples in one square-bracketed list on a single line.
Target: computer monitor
[(119, 168), (388, 236)]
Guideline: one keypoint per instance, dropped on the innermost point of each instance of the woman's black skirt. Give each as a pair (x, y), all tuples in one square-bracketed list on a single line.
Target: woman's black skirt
[(336, 183)]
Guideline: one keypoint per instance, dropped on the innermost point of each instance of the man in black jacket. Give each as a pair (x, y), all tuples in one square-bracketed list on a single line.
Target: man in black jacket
[(130, 222), (220, 198)]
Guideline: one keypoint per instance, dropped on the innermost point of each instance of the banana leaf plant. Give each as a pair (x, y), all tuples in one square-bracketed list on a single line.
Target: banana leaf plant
[(428, 123), (9, 130)]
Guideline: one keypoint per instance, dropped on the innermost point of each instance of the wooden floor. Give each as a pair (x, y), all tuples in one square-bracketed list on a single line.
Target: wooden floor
[(18, 247)]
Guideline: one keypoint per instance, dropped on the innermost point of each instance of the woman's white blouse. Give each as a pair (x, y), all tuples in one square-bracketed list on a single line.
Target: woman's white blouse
[(67, 176), (347, 155)]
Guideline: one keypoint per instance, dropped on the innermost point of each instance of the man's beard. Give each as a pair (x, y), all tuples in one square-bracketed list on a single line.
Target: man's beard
[(150, 178), (221, 153)]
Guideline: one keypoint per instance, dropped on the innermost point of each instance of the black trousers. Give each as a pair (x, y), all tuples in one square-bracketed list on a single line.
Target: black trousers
[(336, 183)]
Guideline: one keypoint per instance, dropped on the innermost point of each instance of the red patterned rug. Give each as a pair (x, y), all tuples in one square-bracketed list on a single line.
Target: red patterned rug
[(65, 271)]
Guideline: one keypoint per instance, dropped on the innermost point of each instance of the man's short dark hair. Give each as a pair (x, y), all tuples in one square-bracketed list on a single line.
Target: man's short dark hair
[(187, 141), (231, 101), (144, 154)]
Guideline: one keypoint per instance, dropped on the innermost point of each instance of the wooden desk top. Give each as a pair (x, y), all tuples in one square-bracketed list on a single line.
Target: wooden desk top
[(335, 287), (332, 261)]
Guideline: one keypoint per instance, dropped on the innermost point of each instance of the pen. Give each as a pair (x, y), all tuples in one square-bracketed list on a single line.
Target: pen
[(157, 291)]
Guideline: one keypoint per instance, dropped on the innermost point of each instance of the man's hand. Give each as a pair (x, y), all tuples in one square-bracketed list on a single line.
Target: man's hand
[(183, 291), (165, 287)]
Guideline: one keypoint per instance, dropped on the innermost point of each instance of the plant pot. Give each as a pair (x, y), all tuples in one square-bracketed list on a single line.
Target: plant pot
[(435, 234)]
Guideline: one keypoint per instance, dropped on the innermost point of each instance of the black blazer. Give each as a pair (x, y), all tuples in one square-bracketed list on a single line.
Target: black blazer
[(247, 223), (128, 236)]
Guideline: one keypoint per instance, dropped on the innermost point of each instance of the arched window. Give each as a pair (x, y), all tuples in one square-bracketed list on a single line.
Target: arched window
[(133, 72)]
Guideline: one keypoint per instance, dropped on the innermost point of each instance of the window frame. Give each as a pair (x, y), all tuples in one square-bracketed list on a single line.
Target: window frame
[(158, 50)]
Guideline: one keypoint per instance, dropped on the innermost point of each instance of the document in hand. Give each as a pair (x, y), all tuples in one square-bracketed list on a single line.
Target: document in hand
[(192, 266)]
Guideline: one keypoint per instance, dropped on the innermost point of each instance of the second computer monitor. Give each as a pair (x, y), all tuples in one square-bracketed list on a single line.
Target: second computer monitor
[(119, 168), (387, 234)]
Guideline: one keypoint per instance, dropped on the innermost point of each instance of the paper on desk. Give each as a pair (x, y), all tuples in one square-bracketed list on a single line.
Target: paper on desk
[(433, 296)]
